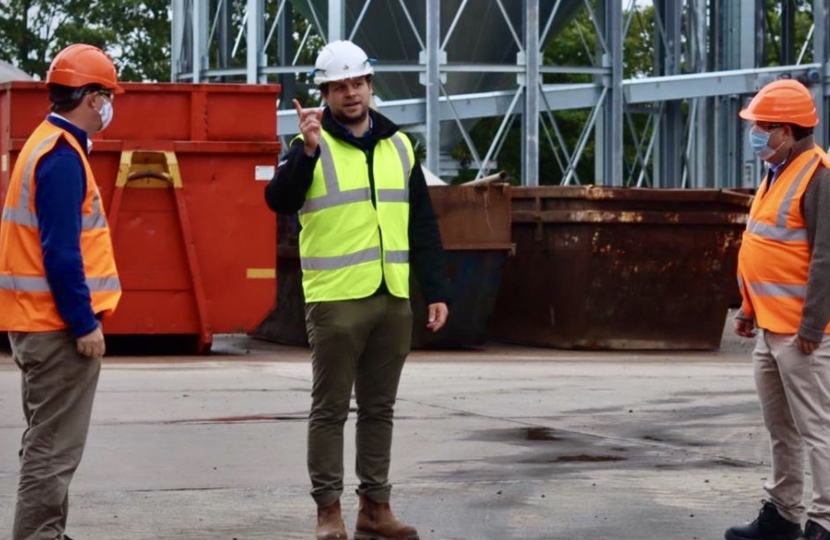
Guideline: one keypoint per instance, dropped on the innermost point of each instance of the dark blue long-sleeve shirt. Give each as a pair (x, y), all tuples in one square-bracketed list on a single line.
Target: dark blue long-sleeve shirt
[(60, 189)]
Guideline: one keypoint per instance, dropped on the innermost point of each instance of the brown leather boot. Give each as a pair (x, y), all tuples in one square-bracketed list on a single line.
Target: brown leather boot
[(375, 521), (330, 524)]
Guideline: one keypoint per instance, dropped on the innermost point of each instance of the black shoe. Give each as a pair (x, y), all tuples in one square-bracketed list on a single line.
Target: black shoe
[(814, 531), (769, 525)]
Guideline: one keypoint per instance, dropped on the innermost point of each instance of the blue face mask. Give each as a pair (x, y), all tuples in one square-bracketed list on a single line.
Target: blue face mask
[(759, 139)]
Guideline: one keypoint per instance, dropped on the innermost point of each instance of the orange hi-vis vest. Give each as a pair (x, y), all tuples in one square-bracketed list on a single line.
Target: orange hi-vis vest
[(774, 260), (26, 301)]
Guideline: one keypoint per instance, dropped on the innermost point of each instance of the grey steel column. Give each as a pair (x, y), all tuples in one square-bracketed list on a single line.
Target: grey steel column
[(670, 147), (820, 45), (612, 118), (177, 23), (753, 36), (788, 46), (432, 85), (201, 24), (337, 20), (225, 34), (286, 54), (255, 37), (530, 125), (701, 170), (735, 29)]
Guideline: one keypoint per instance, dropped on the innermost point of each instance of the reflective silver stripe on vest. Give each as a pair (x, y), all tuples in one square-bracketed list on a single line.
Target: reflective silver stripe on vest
[(393, 195), (341, 261), (740, 283), (24, 284), (110, 283), (336, 199), (333, 196), (776, 233), (94, 221), (784, 209), (28, 170), (22, 216), (40, 284), (398, 195), (786, 290), (393, 256)]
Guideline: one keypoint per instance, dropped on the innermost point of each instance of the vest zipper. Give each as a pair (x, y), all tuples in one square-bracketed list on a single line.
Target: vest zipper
[(369, 159)]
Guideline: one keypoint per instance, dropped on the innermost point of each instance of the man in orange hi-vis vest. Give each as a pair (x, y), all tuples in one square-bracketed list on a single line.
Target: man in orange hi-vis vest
[(784, 275), (57, 280)]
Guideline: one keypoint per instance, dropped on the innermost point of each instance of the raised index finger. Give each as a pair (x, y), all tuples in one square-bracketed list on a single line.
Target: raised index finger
[(298, 108)]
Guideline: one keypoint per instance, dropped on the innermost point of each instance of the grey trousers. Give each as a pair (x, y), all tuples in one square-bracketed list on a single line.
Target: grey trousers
[(362, 343), (58, 388), (795, 398)]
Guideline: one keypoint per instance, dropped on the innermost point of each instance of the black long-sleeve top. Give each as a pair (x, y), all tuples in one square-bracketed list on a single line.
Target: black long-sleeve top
[(286, 194)]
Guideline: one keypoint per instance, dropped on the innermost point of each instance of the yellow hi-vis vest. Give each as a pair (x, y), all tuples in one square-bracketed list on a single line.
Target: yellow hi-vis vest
[(774, 259), (346, 244), (26, 301)]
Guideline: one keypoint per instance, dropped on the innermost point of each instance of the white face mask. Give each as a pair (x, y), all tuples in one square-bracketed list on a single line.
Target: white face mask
[(106, 113)]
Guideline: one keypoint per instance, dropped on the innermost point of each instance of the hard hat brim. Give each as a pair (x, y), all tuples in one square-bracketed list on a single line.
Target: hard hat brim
[(322, 79), (746, 114)]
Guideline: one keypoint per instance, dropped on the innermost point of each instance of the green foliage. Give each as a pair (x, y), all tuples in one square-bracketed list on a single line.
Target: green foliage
[(136, 33), (774, 31)]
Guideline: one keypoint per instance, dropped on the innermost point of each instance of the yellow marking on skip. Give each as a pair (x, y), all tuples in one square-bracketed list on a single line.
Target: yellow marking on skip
[(262, 273)]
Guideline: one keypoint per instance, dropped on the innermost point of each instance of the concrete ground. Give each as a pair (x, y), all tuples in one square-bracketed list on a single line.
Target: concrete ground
[(507, 443)]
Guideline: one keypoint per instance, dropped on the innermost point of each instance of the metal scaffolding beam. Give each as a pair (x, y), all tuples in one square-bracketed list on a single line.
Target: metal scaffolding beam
[(532, 82), (566, 97), (674, 125), (820, 45), (432, 82)]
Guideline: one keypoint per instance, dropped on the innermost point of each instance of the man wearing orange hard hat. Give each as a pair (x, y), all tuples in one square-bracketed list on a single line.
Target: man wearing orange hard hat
[(57, 281), (784, 275)]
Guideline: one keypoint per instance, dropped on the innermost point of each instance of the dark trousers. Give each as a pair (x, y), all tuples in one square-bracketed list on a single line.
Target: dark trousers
[(361, 343)]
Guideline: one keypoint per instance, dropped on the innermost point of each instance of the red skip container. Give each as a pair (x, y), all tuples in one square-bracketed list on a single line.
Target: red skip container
[(181, 169)]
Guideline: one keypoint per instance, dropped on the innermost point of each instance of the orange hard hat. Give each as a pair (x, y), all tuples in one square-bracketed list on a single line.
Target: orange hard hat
[(784, 101), (80, 64)]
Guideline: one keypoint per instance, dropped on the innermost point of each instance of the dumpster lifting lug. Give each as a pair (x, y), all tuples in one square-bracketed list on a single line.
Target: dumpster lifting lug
[(160, 169)]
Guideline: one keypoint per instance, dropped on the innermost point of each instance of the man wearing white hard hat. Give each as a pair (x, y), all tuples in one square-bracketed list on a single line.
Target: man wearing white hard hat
[(366, 218)]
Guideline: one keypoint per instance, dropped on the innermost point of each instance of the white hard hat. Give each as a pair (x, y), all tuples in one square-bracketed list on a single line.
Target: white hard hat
[(341, 60)]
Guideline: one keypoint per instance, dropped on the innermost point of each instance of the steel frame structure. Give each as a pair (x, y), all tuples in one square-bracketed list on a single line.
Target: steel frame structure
[(676, 126)]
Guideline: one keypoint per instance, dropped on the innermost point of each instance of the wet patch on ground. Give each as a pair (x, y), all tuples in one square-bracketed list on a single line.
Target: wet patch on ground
[(585, 458), (543, 452), (540, 434), (248, 418)]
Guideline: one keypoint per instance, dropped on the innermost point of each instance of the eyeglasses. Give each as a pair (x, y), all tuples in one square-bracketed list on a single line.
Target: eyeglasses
[(767, 126)]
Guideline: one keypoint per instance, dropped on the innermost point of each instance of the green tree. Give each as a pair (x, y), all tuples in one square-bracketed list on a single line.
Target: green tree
[(136, 33), (774, 31)]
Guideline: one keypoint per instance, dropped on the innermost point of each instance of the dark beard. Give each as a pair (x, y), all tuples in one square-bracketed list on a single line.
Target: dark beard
[(346, 121)]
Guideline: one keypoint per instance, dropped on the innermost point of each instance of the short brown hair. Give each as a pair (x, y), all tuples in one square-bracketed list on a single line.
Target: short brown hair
[(68, 98), (324, 87)]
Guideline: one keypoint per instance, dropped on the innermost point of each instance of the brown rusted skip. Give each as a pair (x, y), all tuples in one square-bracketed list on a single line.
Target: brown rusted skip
[(473, 216), (475, 223), (613, 268)]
